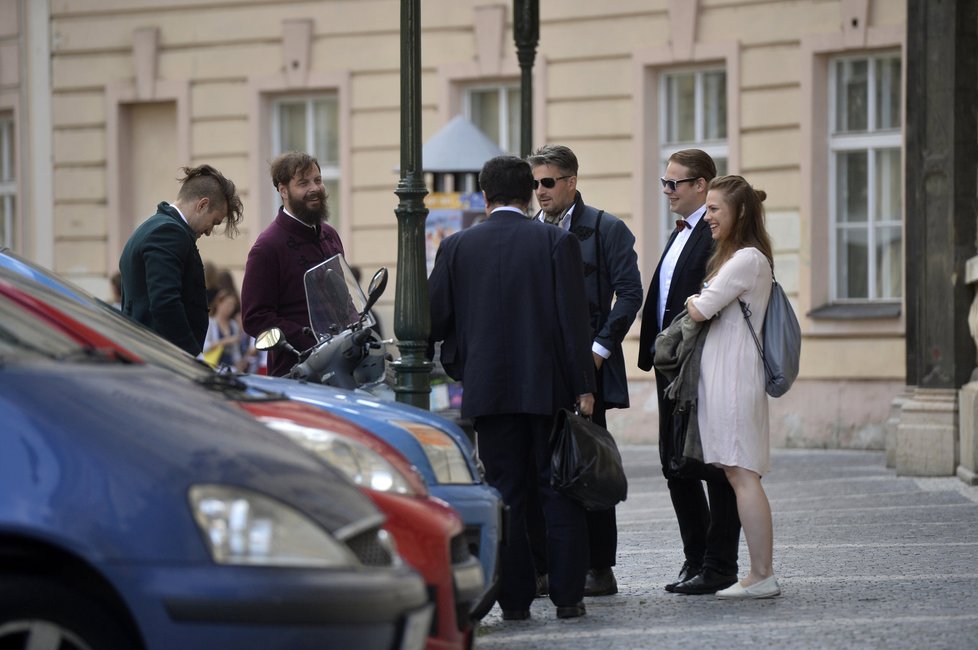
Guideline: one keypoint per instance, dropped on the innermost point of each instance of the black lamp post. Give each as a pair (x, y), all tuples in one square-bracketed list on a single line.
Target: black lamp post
[(412, 320), (526, 32)]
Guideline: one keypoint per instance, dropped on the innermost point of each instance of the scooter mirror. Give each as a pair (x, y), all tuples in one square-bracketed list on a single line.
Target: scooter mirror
[(269, 339), (377, 285)]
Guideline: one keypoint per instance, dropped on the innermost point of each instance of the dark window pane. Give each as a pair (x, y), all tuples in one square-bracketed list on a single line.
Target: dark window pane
[(484, 106), (889, 263), (326, 122), (853, 268), (851, 186), (715, 105), (292, 126), (851, 96), (680, 108), (888, 93)]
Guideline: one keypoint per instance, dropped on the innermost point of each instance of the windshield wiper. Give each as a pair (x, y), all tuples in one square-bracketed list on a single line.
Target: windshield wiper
[(92, 354), (221, 381)]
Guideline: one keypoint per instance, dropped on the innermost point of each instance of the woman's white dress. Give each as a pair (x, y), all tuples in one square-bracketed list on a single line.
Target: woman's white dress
[(732, 404)]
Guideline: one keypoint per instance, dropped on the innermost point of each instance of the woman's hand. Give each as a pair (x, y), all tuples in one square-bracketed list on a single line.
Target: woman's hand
[(691, 309)]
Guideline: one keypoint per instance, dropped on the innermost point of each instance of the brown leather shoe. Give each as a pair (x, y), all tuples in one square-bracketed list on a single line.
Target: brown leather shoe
[(600, 582)]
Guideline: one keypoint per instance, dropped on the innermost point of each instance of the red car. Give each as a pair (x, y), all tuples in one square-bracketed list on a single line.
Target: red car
[(428, 534)]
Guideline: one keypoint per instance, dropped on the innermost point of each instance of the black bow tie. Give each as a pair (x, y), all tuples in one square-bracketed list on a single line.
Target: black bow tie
[(682, 223)]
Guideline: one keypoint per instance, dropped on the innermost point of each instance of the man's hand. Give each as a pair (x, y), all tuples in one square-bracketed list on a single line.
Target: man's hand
[(585, 404), (598, 360)]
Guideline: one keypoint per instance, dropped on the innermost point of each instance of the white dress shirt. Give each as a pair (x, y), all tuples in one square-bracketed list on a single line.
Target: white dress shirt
[(668, 266)]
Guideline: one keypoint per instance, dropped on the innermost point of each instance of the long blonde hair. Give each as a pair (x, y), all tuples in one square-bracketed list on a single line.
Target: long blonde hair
[(748, 227)]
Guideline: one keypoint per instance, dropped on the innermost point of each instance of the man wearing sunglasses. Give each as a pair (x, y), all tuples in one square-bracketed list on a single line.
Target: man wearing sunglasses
[(710, 531), (613, 286)]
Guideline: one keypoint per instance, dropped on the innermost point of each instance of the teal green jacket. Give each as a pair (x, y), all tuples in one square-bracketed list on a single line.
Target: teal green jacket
[(163, 280)]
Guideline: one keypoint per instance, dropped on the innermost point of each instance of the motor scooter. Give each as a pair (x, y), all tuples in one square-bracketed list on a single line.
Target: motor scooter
[(348, 352)]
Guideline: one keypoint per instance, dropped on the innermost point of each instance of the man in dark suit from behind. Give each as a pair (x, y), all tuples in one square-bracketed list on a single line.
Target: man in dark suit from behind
[(162, 274), (614, 293), (710, 531), (508, 303)]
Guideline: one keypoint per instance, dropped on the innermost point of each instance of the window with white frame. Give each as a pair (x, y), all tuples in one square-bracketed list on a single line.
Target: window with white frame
[(311, 124), (865, 172), (692, 115), (8, 181), (495, 110)]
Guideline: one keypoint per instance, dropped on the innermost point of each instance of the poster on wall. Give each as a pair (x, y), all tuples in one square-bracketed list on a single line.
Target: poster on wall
[(449, 212)]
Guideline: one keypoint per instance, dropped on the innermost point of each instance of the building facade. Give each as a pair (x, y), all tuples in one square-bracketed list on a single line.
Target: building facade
[(101, 103)]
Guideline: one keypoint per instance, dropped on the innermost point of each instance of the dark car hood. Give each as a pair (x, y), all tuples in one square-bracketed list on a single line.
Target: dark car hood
[(133, 441)]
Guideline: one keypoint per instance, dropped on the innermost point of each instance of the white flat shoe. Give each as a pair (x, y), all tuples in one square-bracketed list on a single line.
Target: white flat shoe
[(767, 588)]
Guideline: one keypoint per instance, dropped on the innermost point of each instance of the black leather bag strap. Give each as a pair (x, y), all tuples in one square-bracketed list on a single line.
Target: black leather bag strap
[(599, 257)]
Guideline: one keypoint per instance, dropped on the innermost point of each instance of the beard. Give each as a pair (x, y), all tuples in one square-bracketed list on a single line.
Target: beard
[(310, 215)]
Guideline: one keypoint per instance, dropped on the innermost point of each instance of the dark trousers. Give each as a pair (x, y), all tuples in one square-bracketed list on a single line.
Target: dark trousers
[(515, 450), (710, 530), (602, 525)]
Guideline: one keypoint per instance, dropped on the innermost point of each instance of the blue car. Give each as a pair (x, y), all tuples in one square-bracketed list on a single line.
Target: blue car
[(143, 512), (438, 448)]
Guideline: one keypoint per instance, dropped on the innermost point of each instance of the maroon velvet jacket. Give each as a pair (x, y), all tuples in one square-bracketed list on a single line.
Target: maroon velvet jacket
[(272, 294)]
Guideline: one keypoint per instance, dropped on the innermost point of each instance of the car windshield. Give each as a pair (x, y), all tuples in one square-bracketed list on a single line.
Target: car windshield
[(25, 337), (138, 340)]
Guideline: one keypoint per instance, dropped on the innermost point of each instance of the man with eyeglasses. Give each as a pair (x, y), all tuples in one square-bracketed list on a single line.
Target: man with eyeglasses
[(613, 286), (710, 531)]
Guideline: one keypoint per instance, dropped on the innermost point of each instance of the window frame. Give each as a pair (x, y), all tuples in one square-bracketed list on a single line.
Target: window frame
[(504, 87), (717, 148), (870, 141), (331, 172), (8, 179)]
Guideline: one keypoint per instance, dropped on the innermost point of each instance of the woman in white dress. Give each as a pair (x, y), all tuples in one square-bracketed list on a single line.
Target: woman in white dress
[(732, 403)]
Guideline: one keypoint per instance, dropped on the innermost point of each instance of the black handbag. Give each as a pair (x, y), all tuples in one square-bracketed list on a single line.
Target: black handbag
[(585, 464)]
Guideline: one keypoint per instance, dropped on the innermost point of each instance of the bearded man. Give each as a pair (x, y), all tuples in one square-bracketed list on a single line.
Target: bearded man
[(272, 293)]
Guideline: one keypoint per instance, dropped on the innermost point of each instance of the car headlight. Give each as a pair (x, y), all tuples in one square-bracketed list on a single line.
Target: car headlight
[(444, 455), (362, 465), (245, 527)]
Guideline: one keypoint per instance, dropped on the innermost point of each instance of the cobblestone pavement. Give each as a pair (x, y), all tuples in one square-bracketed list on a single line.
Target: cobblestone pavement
[(865, 559)]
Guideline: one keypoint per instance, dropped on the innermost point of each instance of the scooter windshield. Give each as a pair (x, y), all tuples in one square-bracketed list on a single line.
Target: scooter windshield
[(334, 298)]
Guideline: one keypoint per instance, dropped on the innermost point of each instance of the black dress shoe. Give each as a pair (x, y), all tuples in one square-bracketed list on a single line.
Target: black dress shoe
[(600, 582), (707, 581), (571, 611), (516, 614), (685, 573)]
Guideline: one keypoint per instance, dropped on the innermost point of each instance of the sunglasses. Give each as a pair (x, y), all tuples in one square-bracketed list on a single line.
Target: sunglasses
[(548, 183), (671, 184)]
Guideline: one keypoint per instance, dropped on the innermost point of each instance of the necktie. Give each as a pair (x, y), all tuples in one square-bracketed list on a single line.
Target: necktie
[(682, 223)]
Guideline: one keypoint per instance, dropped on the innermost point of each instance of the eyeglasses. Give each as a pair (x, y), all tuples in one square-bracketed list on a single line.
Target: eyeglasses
[(548, 183), (671, 184)]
